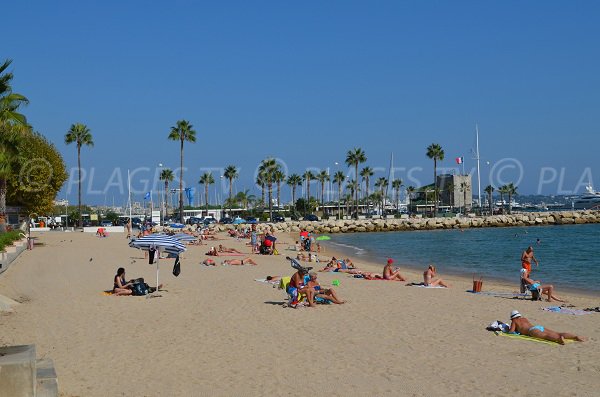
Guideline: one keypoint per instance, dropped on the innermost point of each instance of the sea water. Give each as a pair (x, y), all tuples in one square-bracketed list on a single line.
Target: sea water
[(569, 255)]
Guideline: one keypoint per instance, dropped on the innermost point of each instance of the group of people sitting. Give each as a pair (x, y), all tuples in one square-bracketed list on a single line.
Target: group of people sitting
[(304, 284)]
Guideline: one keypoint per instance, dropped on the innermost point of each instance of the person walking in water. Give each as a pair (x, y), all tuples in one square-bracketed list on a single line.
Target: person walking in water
[(526, 259)]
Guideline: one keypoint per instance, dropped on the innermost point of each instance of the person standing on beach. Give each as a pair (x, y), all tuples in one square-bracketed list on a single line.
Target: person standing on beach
[(520, 324), (526, 259), (128, 227)]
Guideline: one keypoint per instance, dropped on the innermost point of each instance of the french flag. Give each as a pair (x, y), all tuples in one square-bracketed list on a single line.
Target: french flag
[(460, 160)]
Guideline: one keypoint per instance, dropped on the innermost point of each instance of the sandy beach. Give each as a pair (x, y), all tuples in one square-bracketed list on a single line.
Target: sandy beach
[(217, 332)]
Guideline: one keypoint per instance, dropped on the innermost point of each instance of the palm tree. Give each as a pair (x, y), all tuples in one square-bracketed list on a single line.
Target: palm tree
[(489, 189), (511, 190), (502, 190), (183, 131), (339, 178), (9, 100), (230, 173), (365, 174), (278, 177), (308, 176), (464, 187), (322, 177), (435, 152), (167, 176), (206, 179), (81, 135), (243, 198), (293, 181), (409, 191), (355, 157), (381, 184), (396, 185), (268, 167)]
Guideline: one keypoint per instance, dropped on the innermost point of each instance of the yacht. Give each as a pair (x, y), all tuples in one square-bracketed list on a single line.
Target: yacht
[(589, 199)]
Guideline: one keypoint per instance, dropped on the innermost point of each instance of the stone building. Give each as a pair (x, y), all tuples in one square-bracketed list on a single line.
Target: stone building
[(455, 190)]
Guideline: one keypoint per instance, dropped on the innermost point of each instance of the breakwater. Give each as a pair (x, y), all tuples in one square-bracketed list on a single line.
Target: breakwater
[(407, 224)]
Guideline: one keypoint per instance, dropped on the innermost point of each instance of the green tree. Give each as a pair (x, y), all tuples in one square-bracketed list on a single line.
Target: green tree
[(10, 102), (511, 190), (231, 173), (243, 198), (183, 131), (308, 176), (293, 181), (322, 177), (366, 173), (381, 185), (260, 180), (167, 176), (502, 190), (436, 153), (489, 189), (354, 157), (206, 179), (339, 178), (268, 167), (81, 135), (396, 185), (278, 178)]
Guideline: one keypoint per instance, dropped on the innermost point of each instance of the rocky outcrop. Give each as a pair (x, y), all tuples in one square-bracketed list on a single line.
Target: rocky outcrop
[(407, 224)]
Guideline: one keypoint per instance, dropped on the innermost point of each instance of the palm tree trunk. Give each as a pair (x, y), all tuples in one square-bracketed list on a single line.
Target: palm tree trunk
[(279, 195), (270, 186), (307, 196), (206, 198), (2, 205), (491, 204), (230, 193), (79, 184), (356, 188), (509, 203), (435, 187), (181, 182), (294, 195), (339, 199), (322, 202)]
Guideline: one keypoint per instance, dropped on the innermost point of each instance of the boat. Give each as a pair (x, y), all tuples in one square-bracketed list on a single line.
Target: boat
[(589, 199)]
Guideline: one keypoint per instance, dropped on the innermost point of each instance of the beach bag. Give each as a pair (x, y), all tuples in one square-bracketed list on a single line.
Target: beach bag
[(139, 289), (176, 267), (477, 284)]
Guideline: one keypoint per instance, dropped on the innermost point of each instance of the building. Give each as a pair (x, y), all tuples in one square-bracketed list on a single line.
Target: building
[(455, 190)]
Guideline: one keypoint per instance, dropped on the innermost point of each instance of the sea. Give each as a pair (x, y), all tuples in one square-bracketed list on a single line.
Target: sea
[(569, 255)]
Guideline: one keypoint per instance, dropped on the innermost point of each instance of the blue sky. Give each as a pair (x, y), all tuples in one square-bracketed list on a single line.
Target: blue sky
[(307, 81)]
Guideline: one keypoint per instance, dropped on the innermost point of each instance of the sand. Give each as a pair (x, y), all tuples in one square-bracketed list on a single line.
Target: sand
[(217, 332)]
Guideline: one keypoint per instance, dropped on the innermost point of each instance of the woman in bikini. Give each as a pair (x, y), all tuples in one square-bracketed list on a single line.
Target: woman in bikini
[(430, 281), (245, 261), (120, 285)]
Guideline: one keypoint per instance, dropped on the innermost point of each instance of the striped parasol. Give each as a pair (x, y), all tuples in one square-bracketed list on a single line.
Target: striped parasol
[(186, 238), (161, 243)]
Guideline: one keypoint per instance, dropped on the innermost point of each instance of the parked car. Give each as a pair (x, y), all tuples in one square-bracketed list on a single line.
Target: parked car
[(251, 220), (277, 217), (311, 217), (208, 221), (106, 223), (226, 221), (194, 220)]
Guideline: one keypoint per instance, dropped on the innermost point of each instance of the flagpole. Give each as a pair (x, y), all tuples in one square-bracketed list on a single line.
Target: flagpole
[(129, 193), (478, 175)]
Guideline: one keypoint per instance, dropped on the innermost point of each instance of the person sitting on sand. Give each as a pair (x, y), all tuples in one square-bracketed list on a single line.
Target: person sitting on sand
[(228, 250), (323, 293), (522, 325), (212, 252), (120, 285), (531, 285), (245, 261), (297, 286), (101, 232), (430, 281), (392, 274)]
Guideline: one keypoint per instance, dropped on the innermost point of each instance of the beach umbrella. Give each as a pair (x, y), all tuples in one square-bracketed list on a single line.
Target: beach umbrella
[(323, 238), (186, 238), (160, 243)]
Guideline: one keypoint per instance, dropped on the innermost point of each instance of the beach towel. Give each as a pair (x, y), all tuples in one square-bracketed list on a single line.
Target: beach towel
[(566, 310), (492, 293), (264, 280), (421, 285), (107, 293), (532, 339)]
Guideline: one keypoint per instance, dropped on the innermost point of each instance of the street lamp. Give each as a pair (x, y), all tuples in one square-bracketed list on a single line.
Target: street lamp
[(161, 199)]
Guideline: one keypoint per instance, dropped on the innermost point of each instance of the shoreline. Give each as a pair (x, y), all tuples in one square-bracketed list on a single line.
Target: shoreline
[(490, 283)]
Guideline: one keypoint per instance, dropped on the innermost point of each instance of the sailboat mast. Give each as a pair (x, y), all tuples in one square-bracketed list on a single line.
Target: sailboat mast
[(129, 193), (478, 175)]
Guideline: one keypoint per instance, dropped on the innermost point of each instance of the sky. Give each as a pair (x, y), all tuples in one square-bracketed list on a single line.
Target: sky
[(305, 82)]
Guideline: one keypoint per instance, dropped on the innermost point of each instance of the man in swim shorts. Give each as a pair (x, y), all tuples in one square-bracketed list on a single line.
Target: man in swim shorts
[(522, 325), (526, 259)]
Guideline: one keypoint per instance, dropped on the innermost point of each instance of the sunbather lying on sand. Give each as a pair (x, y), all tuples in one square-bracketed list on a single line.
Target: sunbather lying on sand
[(209, 262), (430, 281), (522, 325), (245, 261), (228, 250), (339, 264), (212, 252)]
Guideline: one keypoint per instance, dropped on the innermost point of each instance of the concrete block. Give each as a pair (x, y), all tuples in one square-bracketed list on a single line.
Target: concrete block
[(17, 371), (47, 382)]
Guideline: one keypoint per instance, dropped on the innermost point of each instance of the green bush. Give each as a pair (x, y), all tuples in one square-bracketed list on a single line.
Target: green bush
[(8, 238)]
